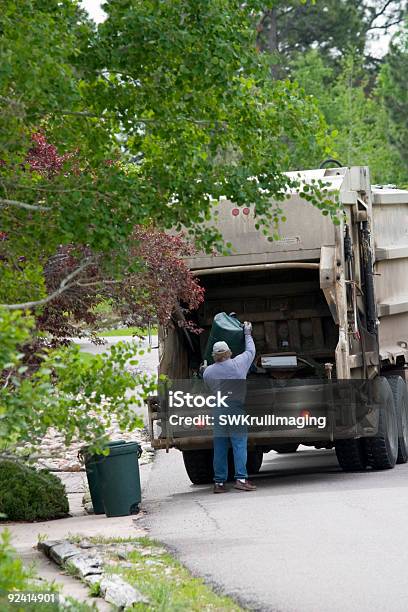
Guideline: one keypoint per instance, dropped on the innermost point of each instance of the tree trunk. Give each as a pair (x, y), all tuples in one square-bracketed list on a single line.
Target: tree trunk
[(268, 38)]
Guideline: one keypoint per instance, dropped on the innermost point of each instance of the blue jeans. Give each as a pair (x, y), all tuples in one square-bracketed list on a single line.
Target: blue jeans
[(238, 436)]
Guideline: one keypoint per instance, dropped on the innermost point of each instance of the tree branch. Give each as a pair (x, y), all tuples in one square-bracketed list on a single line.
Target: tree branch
[(7, 379), (54, 190), (386, 25), (65, 284), (4, 203), (89, 115), (376, 15), (98, 282)]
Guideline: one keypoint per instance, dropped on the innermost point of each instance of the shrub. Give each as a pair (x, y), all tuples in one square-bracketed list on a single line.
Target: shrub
[(13, 575), (27, 494)]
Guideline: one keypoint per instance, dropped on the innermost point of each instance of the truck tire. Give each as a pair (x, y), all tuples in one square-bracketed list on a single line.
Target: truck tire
[(254, 463), (351, 455), (382, 449), (199, 466), (400, 395), (283, 449)]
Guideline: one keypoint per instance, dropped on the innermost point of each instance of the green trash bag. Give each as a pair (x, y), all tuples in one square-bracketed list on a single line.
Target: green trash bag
[(228, 329)]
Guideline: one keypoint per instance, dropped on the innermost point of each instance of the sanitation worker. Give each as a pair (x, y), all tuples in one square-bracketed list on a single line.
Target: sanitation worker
[(221, 376)]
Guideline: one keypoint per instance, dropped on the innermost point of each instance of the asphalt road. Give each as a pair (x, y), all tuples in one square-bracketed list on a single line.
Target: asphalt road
[(310, 539)]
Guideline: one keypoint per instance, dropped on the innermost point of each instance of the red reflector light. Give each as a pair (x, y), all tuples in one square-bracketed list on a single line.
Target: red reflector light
[(235, 212), (246, 211), (305, 413)]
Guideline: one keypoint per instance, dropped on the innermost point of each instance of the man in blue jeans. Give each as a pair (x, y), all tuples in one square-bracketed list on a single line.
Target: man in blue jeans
[(225, 368)]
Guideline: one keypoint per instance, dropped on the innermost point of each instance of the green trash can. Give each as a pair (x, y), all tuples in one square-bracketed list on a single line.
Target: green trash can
[(93, 476), (230, 330), (119, 478)]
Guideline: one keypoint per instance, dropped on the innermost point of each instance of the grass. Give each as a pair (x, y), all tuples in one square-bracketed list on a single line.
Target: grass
[(167, 584), (127, 331), (71, 570)]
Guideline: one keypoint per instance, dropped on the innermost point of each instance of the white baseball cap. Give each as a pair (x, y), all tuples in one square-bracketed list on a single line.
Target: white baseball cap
[(220, 347)]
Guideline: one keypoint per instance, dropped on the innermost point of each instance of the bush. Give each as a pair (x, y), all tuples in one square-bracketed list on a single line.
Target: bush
[(13, 575), (27, 494)]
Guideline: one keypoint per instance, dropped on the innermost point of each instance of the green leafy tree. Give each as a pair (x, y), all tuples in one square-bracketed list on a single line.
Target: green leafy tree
[(393, 83), (196, 106), (331, 27), (78, 399), (357, 117), (168, 106), (13, 574)]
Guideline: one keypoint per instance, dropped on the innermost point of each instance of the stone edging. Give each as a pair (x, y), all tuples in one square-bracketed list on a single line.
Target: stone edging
[(89, 562)]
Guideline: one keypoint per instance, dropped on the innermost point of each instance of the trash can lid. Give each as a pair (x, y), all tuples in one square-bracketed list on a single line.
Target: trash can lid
[(83, 452), (125, 449)]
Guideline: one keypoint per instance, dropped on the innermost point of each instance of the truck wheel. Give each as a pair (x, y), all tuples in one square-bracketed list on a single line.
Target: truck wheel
[(254, 463), (382, 449), (199, 466), (282, 449), (400, 395), (351, 455)]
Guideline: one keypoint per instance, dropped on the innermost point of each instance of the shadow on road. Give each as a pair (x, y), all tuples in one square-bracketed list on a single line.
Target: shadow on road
[(304, 472), (312, 537)]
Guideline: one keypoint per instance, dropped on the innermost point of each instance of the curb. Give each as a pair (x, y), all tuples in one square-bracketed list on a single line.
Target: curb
[(87, 561)]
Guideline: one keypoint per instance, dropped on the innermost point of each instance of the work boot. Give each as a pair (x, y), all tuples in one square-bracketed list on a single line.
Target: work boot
[(244, 486), (219, 487)]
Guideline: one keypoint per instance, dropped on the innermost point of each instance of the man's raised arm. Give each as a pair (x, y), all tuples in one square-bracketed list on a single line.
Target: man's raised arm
[(245, 359)]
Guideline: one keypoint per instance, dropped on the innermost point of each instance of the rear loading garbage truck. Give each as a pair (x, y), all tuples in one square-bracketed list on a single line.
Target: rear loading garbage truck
[(332, 297)]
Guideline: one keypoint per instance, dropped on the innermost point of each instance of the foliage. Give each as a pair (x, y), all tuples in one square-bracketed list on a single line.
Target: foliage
[(27, 494), (13, 575), (160, 282), (147, 135), (301, 26), (394, 76), (80, 399), (331, 27), (357, 117), (213, 118), (170, 586), (330, 48), (166, 107), (127, 331), (43, 157), (149, 292), (163, 280)]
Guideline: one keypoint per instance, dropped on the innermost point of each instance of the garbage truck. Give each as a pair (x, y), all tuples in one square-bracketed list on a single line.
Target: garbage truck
[(333, 298)]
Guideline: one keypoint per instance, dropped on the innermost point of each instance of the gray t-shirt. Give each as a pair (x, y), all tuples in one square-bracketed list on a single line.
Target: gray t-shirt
[(231, 369)]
